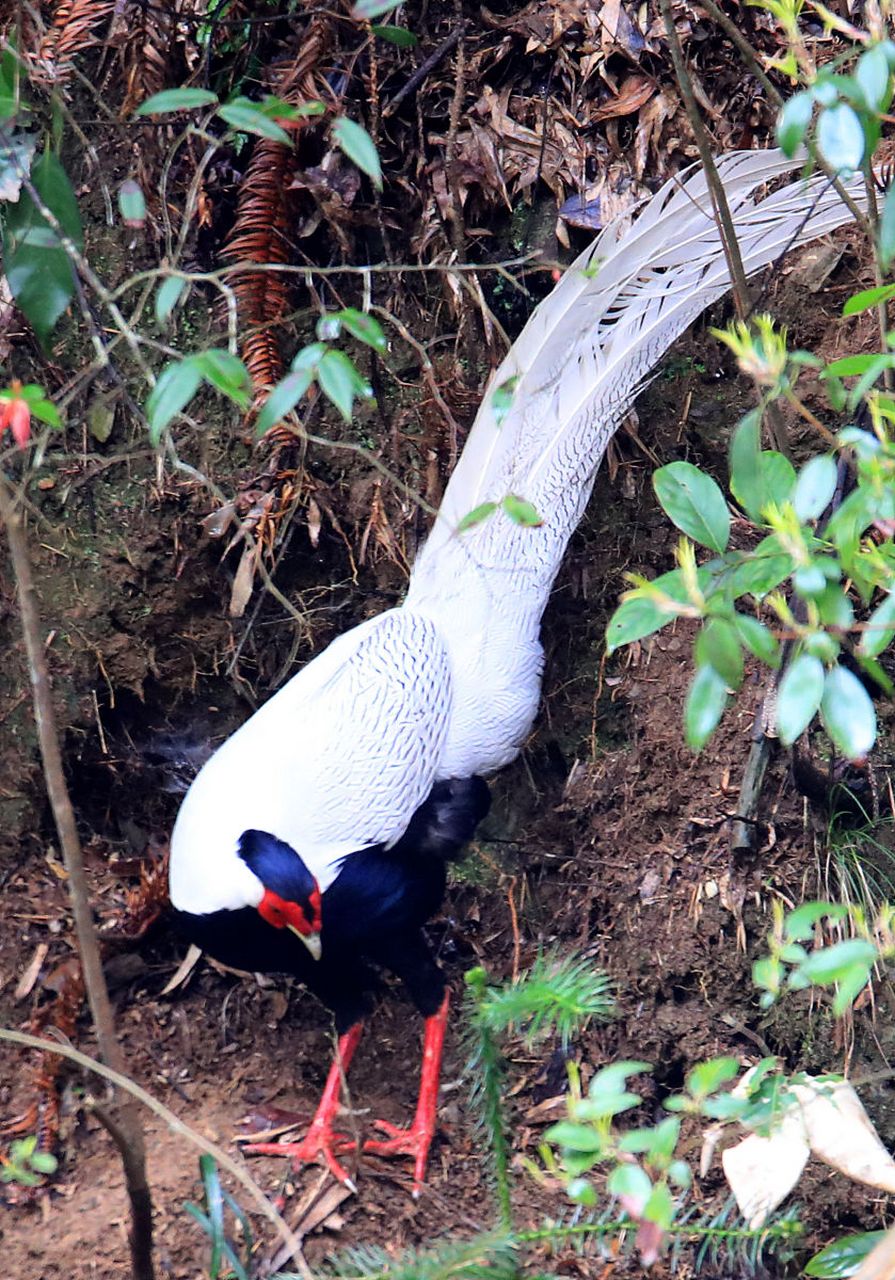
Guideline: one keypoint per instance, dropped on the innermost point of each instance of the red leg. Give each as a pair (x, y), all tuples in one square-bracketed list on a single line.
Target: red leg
[(321, 1138), (417, 1139)]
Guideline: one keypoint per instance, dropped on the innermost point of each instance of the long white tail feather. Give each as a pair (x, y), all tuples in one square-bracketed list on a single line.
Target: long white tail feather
[(578, 365)]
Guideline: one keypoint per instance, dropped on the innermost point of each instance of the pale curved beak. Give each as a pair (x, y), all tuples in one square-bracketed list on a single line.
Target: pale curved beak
[(310, 940)]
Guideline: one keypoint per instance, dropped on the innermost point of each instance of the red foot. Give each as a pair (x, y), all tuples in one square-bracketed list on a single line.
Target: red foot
[(416, 1140), (321, 1139)]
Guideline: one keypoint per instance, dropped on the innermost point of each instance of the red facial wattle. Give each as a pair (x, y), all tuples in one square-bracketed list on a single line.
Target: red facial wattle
[(289, 915)]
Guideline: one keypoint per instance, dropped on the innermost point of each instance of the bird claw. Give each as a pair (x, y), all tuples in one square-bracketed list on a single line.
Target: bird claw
[(320, 1140), (414, 1141)]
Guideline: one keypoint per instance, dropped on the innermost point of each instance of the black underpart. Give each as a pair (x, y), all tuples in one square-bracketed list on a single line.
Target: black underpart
[(373, 913)]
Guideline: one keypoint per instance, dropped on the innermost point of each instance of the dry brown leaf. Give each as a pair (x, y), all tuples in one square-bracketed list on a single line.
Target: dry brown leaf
[(243, 582), (29, 977), (183, 971)]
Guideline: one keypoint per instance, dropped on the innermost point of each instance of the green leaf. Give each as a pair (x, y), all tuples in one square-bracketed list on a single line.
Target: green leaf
[(793, 122), (707, 1077), (341, 382), (718, 646), (879, 628), (476, 516), (798, 697), (502, 398), (746, 483), (849, 366), (400, 36), (694, 503), (175, 388), (660, 1207), (840, 138), (309, 357), (758, 639), (365, 10), (226, 373), (521, 511), (630, 1180), (843, 1257), (132, 203), (850, 986), (706, 701), (176, 100), (777, 476), (169, 294), (576, 1137), (38, 269), (848, 714), (815, 487), (830, 964), (872, 74), (359, 147), (800, 923), (364, 327), (868, 298), (639, 616), (759, 574), (283, 399), (887, 231), (245, 116)]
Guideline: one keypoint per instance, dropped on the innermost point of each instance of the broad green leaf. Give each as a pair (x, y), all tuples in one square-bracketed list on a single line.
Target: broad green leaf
[(705, 705), (798, 697), (848, 714), (176, 100), (843, 1257), (850, 366), (366, 10), (577, 1137), (777, 475), (639, 616), (399, 36), (175, 388), (359, 147), (363, 326), (793, 121), (694, 503), (718, 646), (809, 581), (476, 516), (132, 203), (850, 986), (226, 373), (579, 1190), (341, 382), (659, 1208), (613, 1079), (244, 115), (283, 399), (43, 1162), (167, 298), (815, 486), (759, 574), (834, 607), (521, 511), (887, 230), (707, 1077), (872, 74), (879, 628), (831, 963), (38, 269), (840, 138), (868, 298), (799, 924), (746, 482), (502, 398), (631, 1181), (758, 639), (309, 357)]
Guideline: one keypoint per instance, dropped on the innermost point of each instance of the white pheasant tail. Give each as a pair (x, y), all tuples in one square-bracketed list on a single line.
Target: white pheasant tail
[(448, 684), (575, 370)]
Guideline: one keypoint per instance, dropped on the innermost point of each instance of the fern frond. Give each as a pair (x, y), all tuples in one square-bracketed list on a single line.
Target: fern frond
[(556, 997), (70, 33), (490, 1256)]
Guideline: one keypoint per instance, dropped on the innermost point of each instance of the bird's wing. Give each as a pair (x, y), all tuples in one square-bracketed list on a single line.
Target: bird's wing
[(336, 761)]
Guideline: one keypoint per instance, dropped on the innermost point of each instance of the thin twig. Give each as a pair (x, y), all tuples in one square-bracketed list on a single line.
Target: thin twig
[(128, 1134)]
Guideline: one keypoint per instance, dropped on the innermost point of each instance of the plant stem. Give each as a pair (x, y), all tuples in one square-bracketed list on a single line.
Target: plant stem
[(128, 1131)]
